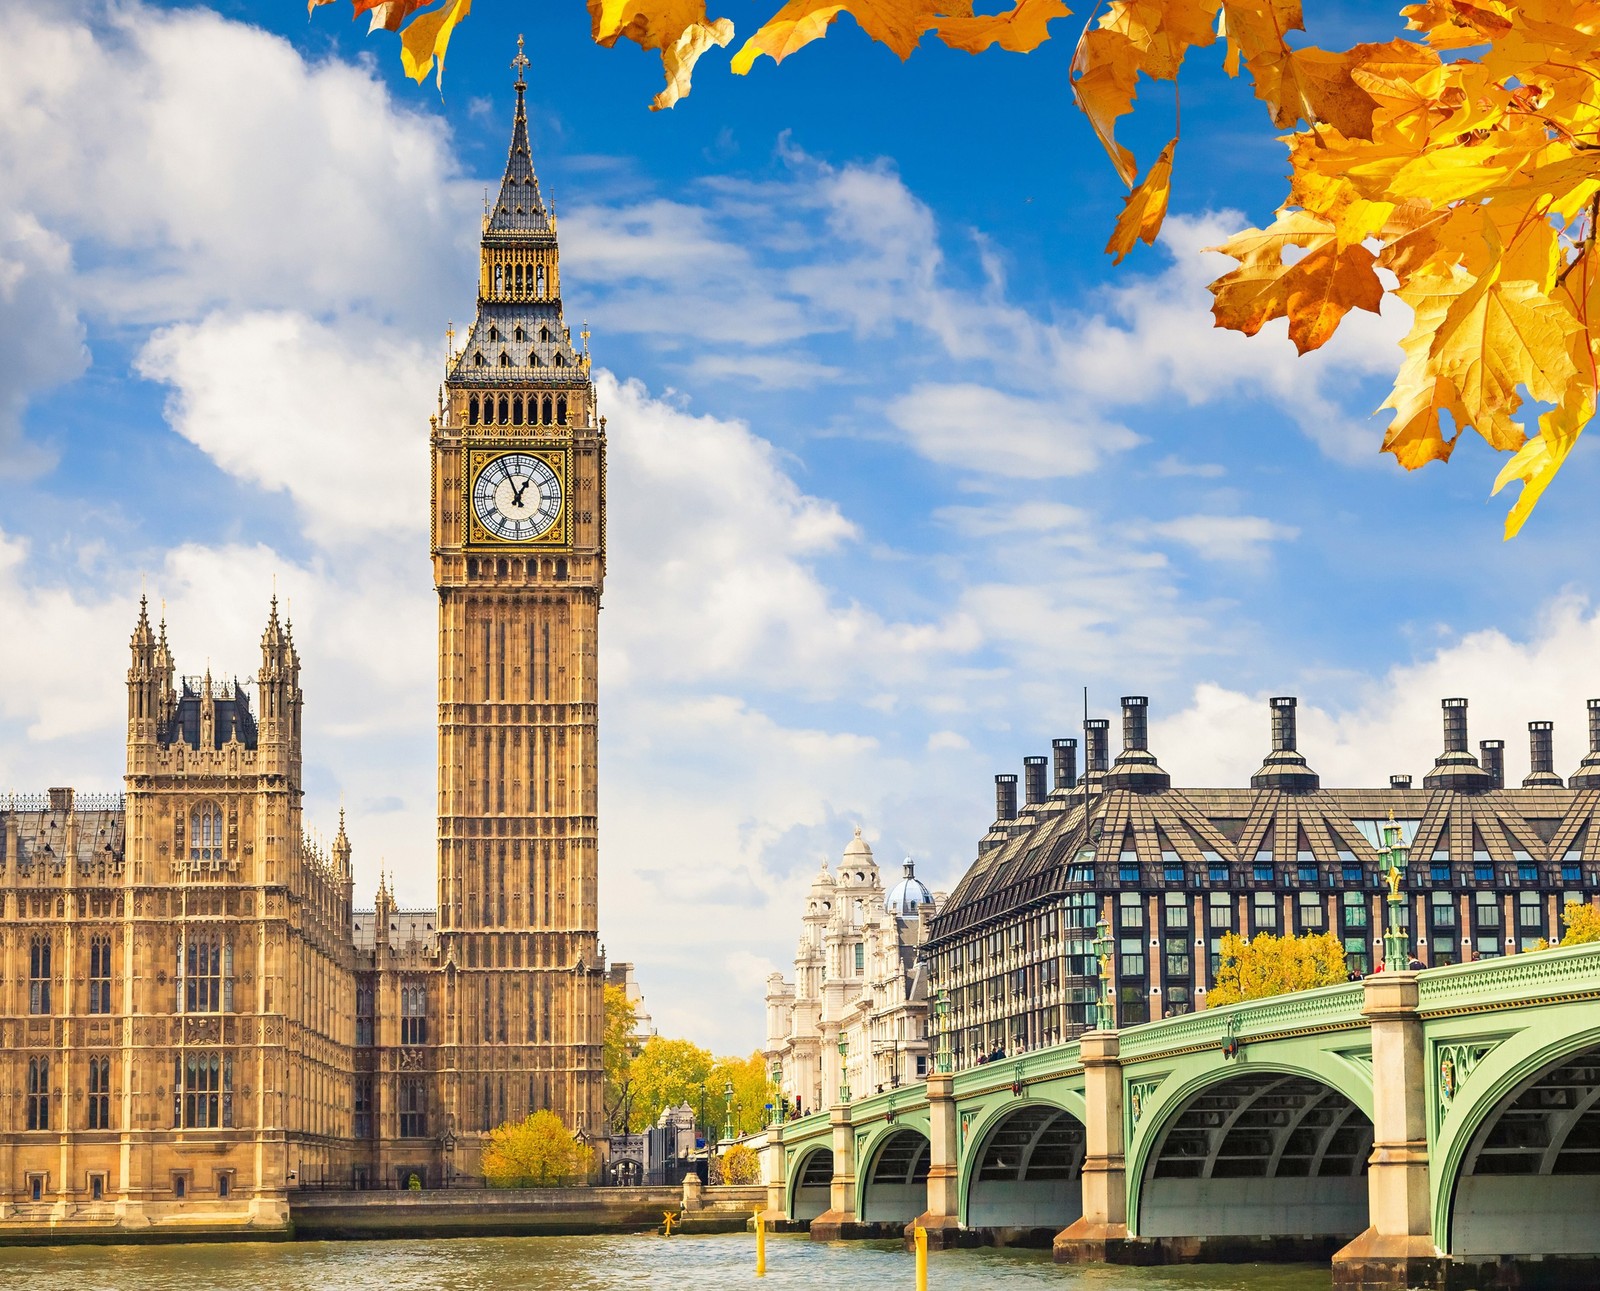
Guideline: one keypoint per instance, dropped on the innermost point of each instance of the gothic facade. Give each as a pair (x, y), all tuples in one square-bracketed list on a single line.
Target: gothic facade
[(194, 1017)]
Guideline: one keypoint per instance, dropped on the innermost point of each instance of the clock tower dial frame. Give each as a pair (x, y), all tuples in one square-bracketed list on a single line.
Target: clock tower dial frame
[(518, 538)]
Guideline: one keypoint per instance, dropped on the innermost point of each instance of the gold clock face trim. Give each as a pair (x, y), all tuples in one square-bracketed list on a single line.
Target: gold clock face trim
[(517, 497)]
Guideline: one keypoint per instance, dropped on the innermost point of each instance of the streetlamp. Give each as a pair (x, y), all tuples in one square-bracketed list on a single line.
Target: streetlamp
[(1105, 1007), (727, 1112), (780, 1104), (1396, 941), (844, 1070), (941, 1013)]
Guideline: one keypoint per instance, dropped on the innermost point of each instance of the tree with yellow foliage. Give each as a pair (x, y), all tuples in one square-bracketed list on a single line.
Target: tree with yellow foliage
[(1582, 923), (1271, 965), (537, 1152), (740, 1164), (1462, 160)]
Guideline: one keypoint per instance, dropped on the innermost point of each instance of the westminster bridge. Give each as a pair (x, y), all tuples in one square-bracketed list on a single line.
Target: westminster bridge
[(1434, 1129)]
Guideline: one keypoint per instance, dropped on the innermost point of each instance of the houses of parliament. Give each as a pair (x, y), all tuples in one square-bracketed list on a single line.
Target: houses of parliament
[(195, 1017)]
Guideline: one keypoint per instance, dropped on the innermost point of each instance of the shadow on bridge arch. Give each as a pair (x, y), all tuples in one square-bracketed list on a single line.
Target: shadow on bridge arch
[(1027, 1171), (893, 1186), (1522, 1173), (1258, 1154), (812, 1179)]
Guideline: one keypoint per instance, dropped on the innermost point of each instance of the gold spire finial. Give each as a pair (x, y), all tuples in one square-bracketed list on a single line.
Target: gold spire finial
[(520, 61)]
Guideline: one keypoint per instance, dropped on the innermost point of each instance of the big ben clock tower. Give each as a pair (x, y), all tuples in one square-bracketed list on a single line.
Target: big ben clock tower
[(519, 560)]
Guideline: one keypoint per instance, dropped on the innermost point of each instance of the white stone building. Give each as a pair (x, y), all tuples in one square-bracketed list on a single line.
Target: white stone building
[(857, 981)]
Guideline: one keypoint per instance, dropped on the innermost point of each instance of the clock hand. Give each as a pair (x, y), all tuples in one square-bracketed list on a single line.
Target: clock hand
[(516, 493)]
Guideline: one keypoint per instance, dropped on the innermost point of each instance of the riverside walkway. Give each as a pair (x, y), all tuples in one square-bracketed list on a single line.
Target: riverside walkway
[(1436, 1129)]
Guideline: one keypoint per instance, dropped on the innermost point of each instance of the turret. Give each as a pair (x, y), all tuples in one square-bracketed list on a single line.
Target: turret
[(342, 868), (1136, 767), (278, 684), (1587, 776), (1541, 757), (144, 683)]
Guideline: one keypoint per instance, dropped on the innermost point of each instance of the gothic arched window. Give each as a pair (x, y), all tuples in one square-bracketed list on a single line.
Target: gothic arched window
[(559, 361), (547, 410), (516, 411), (541, 282), (561, 410), (519, 277), (205, 834), (544, 333), (519, 334), (499, 279), (205, 967), (472, 411), (505, 410), (494, 333), (477, 359), (505, 359)]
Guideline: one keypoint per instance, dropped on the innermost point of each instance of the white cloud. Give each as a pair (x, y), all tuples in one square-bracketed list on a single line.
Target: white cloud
[(334, 416), (1242, 539), (44, 339), (1361, 734), (943, 741), (986, 431)]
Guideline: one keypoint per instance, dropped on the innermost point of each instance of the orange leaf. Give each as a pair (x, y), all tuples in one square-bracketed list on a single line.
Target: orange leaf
[(1145, 208), (1021, 29), (1314, 293)]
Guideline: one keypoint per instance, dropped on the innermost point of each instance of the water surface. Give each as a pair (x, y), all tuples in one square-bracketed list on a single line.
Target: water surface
[(600, 1264)]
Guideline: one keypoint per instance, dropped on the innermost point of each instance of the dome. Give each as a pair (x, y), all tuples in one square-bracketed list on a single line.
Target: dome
[(857, 848), (905, 896)]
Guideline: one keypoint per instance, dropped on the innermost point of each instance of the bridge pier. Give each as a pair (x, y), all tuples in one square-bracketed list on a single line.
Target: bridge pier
[(1101, 1234), (1397, 1251), (839, 1220), (942, 1219)]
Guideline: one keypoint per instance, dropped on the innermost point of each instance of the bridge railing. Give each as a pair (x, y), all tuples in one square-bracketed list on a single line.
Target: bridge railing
[(1514, 979), (1320, 1008)]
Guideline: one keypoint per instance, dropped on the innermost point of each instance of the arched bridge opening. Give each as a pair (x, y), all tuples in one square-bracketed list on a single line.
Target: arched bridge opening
[(1258, 1156), (1028, 1172), (812, 1185), (1529, 1182), (894, 1187)]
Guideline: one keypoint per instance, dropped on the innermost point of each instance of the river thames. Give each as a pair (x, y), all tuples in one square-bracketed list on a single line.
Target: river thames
[(599, 1264)]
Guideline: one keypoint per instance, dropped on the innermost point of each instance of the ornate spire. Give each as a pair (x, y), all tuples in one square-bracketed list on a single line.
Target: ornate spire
[(520, 208)]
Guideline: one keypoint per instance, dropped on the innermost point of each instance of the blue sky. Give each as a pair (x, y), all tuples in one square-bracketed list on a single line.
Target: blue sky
[(900, 462)]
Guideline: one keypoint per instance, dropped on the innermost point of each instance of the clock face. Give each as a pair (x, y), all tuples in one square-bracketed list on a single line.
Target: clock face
[(517, 497)]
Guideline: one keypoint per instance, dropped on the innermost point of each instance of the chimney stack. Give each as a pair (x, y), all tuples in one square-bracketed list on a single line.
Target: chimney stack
[(1542, 758), (1492, 756), (1285, 768), (1033, 771), (1136, 767), (1005, 797), (1066, 755), (1399, 782), (1455, 768), (1587, 776), (1097, 746)]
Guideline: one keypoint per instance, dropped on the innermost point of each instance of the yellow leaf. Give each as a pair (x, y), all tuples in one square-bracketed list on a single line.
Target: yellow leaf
[(899, 24), (1021, 29), (1499, 335), (1105, 75), (1163, 32), (678, 28), (1145, 208), (1420, 393), (1314, 292), (1536, 464), (426, 37)]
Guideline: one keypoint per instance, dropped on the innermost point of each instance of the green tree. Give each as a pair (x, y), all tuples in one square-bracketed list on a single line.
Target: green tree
[(1270, 965), (618, 1047), (665, 1073), (1582, 923), (537, 1152)]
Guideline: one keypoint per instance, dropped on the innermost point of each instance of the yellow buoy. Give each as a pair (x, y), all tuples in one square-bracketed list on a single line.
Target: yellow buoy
[(667, 1221), (761, 1245), (919, 1236)]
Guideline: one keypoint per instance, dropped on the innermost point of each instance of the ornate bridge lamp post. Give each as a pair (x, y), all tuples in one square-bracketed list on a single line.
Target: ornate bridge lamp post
[(1105, 1007), (1396, 940), (727, 1112), (941, 1014), (844, 1071), (780, 1104)]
